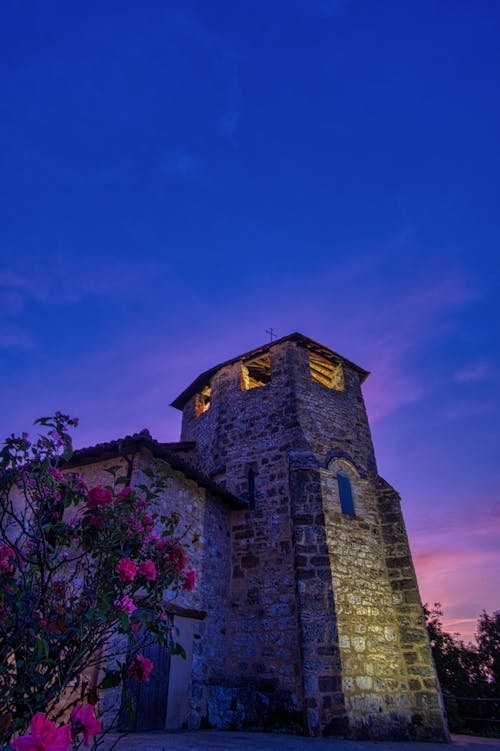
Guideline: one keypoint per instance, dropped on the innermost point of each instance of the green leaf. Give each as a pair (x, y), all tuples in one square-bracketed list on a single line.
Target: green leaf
[(178, 649), (42, 647), (111, 679), (123, 618)]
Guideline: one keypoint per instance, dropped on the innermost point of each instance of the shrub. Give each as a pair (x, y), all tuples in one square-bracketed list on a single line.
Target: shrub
[(78, 565)]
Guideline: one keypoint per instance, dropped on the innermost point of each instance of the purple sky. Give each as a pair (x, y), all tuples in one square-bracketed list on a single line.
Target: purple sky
[(180, 176)]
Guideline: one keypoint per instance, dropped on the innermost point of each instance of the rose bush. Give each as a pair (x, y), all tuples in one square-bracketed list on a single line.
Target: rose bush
[(77, 566)]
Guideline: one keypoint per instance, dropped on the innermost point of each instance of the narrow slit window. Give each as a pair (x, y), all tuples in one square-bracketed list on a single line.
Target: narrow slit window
[(345, 494), (329, 374), (255, 373), (202, 401), (251, 487)]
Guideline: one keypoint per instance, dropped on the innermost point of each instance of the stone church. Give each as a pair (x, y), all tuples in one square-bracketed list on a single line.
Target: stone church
[(306, 614)]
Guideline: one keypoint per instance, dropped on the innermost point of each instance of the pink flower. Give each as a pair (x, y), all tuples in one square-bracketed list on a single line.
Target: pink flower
[(140, 668), (148, 571), (45, 736), (84, 721), (135, 625), (123, 494), (59, 440), (79, 483), (6, 556), (99, 498), (189, 581), (56, 474), (95, 521), (174, 555), (126, 604), (127, 569)]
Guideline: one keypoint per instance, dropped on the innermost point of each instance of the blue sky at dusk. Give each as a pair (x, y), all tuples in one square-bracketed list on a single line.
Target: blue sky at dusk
[(180, 176)]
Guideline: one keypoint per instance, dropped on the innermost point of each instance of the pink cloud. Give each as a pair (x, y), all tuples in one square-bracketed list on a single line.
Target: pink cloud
[(457, 565)]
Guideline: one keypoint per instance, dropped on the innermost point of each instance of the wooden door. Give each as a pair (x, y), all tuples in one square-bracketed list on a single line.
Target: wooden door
[(150, 697)]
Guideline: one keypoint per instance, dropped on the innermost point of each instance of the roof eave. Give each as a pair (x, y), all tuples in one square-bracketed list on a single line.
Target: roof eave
[(203, 379), (119, 448)]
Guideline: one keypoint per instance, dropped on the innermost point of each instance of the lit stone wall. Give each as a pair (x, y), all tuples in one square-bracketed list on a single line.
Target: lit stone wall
[(388, 683), (374, 680), (425, 694), (388, 678)]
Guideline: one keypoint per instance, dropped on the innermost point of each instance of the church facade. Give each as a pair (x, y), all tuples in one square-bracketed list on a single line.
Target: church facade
[(306, 614)]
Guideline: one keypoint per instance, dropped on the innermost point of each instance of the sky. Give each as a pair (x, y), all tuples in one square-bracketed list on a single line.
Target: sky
[(178, 177)]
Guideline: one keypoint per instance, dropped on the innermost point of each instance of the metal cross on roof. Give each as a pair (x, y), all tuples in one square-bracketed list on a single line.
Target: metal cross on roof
[(271, 333)]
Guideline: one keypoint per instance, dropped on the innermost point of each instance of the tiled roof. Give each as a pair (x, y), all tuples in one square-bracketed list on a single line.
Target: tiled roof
[(169, 452)]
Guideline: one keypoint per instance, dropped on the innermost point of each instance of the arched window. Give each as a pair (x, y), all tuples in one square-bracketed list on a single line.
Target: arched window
[(345, 494), (346, 488)]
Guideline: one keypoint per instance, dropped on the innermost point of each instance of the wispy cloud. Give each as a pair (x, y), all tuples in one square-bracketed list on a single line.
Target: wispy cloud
[(385, 323), (230, 117), (229, 121), (13, 338), (322, 8), (63, 279), (181, 163), (473, 372), (457, 559)]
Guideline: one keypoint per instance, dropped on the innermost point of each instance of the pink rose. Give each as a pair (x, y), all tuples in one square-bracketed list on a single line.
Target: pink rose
[(45, 736), (140, 668), (148, 571), (99, 498), (84, 721), (123, 493), (127, 569), (6, 556), (56, 474), (189, 581), (174, 555), (95, 521), (126, 604)]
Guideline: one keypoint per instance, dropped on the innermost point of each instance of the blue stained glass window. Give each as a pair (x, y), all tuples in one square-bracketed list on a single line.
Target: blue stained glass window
[(345, 493)]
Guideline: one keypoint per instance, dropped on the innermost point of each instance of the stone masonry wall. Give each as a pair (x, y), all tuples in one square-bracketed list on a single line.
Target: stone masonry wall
[(374, 678), (321, 666), (334, 424), (245, 430), (382, 698), (425, 693), (207, 519), (322, 604)]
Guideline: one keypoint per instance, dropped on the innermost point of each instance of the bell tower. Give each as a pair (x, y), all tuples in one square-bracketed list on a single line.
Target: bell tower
[(325, 610)]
